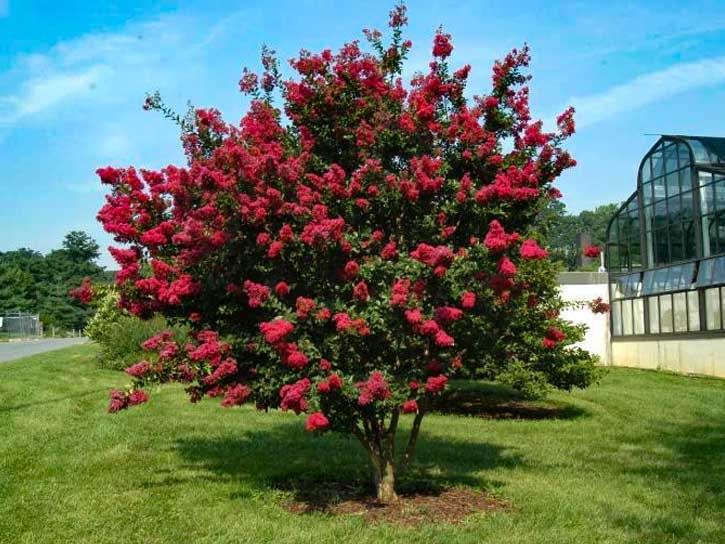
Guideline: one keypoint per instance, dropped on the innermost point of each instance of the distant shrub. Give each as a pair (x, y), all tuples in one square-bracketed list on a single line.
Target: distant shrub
[(119, 333)]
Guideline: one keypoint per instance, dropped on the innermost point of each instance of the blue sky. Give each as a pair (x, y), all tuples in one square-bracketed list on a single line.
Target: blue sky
[(73, 76)]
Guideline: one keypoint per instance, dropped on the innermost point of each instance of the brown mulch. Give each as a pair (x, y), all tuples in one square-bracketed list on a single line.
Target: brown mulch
[(413, 508)]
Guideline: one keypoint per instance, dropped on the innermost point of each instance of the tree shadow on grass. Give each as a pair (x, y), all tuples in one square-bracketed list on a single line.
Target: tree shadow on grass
[(77, 396), (487, 400), (283, 458)]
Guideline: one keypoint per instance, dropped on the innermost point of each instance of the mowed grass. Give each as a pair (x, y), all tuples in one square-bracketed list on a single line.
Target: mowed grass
[(639, 458)]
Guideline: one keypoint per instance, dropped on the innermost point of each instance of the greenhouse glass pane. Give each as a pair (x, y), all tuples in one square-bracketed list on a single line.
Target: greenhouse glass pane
[(659, 188), (679, 304), (657, 166), (616, 318), (683, 155), (712, 308), (693, 311), (627, 328), (674, 209), (672, 183), (660, 214), (699, 151), (707, 199), (654, 315), (666, 313), (671, 158), (704, 274), (720, 195), (687, 205), (647, 193), (646, 172), (688, 229), (685, 179), (638, 314), (718, 272)]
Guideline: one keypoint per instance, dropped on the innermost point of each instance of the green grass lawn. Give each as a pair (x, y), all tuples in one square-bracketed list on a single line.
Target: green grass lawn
[(638, 458)]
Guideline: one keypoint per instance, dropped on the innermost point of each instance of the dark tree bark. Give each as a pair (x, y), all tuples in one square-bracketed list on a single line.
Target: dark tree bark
[(379, 443)]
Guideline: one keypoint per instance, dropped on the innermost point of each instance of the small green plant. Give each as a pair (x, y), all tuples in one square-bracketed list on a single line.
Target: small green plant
[(119, 333)]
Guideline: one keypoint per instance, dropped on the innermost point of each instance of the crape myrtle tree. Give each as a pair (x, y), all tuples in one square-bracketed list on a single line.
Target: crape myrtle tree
[(345, 255)]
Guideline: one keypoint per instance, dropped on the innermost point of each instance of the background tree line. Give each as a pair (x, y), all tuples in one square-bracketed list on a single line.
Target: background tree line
[(37, 283), (562, 229)]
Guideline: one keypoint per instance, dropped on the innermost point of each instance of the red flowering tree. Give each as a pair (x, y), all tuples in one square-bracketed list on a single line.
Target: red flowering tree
[(345, 255)]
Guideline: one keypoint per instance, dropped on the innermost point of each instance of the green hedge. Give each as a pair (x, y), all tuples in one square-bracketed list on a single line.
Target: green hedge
[(120, 334)]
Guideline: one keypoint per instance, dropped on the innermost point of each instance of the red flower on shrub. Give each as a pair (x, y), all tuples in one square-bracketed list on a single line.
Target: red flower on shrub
[(316, 422), (598, 306), (592, 251), (531, 250), (84, 293), (436, 384), (410, 407), (468, 300)]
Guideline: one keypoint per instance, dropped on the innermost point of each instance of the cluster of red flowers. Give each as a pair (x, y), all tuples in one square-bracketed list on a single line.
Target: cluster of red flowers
[(125, 399), (375, 388), (553, 337), (592, 251), (598, 306), (293, 396), (84, 293)]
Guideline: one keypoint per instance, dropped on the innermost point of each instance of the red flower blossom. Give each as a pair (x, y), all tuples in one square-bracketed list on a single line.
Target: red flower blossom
[(531, 250), (293, 396), (84, 293), (442, 45), (316, 422), (592, 251), (256, 293), (468, 300), (236, 395), (410, 407), (413, 316), (497, 240), (447, 314), (443, 339), (137, 397), (506, 267), (351, 270), (139, 370), (598, 306), (436, 384), (281, 289), (360, 291), (375, 388), (400, 291), (275, 331), (553, 337), (304, 306)]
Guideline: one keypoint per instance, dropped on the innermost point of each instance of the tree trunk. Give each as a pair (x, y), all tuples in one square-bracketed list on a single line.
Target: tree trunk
[(383, 465)]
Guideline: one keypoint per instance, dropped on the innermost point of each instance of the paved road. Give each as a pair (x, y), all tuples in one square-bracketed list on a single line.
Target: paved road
[(16, 350)]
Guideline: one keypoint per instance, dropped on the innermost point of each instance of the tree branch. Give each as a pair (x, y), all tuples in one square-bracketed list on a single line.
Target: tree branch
[(409, 453)]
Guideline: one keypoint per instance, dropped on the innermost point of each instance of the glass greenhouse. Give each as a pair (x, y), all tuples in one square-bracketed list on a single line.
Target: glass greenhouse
[(666, 244)]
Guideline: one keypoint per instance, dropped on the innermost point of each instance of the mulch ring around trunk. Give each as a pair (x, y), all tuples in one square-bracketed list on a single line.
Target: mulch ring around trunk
[(418, 507)]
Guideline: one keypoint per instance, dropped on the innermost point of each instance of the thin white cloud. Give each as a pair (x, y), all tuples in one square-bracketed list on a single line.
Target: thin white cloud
[(647, 89), (86, 187), (40, 93), (4, 8), (115, 65)]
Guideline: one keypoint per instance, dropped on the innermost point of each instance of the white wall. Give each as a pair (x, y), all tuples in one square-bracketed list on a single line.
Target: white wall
[(597, 336), (685, 355)]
